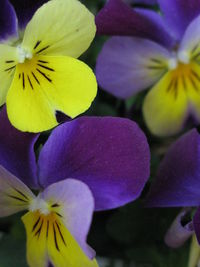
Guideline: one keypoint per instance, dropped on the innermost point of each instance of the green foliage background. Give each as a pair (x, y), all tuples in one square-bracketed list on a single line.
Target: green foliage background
[(131, 236)]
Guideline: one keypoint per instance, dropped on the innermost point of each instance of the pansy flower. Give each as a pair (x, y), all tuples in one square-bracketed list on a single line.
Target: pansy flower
[(178, 185), (157, 51), (41, 74), (87, 164)]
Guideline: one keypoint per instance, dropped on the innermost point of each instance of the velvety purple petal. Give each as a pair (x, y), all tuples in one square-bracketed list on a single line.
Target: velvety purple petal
[(145, 2), (17, 151), (25, 9), (179, 13), (178, 179), (8, 21), (76, 206), (118, 18), (178, 233), (196, 223), (111, 155), (127, 65)]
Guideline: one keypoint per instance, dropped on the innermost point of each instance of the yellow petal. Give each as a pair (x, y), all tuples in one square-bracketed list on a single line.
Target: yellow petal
[(48, 240), (194, 255), (63, 249), (193, 89), (43, 85), (165, 106), (8, 61), (36, 239), (60, 27)]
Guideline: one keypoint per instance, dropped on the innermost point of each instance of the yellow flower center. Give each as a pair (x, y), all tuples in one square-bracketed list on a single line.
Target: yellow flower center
[(185, 76)]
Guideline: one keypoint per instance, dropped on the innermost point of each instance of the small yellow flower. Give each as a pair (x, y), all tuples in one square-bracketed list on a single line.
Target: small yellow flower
[(42, 75)]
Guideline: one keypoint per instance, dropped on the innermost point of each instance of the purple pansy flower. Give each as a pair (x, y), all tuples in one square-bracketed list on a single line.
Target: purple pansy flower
[(178, 185), (14, 16), (86, 164), (153, 50)]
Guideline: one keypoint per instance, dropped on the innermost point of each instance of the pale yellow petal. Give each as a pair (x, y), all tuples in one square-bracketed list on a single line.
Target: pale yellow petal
[(8, 61), (60, 27)]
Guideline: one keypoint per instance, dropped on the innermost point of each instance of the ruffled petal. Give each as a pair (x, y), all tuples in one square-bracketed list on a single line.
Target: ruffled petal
[(179, 14), (110, 155), (15, 196), (68, 29), (17, 152), (25, 10), (73, 200), (178, 180), (117, 18), (127, 65), (45, 85), (8, 22)]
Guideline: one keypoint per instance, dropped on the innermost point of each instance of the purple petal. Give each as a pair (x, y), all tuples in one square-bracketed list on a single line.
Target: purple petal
[(179, 233), (145, 2), (76, 207), (17, 151), (127, 65), (8, 21), (196, 223), (110, 155), (179, 13), (178, 178), (117, 18), (25, 9)]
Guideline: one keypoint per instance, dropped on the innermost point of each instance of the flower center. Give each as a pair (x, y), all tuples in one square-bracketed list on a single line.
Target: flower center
[(181, 57), (40, 205), (23, 54)]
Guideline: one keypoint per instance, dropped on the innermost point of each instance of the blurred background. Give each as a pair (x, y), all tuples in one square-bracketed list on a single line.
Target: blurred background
[(131, 236)]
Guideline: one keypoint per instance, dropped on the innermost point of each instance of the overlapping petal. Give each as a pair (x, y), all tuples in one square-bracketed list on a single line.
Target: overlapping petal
[(74, 202), (46, 85), (15, 196), (178, 179), (127, 65), (68, 29), (8, 21), (59, 237), (7, 69), (117, 18), (165, 107), (17, 152), (110, 155), (190, 44), (25, 10), (179, 14)]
